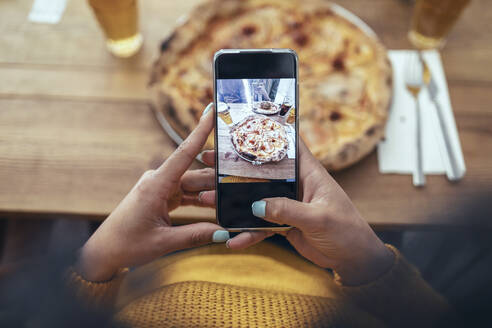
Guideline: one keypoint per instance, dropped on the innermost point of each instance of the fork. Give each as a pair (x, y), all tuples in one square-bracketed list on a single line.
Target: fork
[(413, 77)]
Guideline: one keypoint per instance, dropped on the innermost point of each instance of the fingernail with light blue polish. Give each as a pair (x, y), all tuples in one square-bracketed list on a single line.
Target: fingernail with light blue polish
[(200, 194), (220, 236), (258, 208), (207, 109)]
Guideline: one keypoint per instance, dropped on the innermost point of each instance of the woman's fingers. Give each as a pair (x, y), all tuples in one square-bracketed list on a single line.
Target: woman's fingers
[(283, 210), (207, 198), (179, 161), (248, 238), (198, 187), (208, 157), (198, 180), (192, 235), (204, 198)]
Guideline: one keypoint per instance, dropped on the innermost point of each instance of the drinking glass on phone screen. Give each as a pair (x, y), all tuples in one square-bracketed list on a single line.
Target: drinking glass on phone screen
[(119, 21), (286, 105), (432, 20), (224, 112), (291, 119)]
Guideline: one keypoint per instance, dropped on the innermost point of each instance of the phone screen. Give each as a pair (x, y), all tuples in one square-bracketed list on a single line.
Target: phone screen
[(256, 133)]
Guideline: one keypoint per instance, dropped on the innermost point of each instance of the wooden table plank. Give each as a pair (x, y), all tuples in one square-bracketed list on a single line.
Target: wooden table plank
[(73, 157), (77, 40), (124, 84)]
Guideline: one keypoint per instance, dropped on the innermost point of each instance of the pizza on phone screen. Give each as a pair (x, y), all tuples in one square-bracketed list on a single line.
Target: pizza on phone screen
[(259, 139)]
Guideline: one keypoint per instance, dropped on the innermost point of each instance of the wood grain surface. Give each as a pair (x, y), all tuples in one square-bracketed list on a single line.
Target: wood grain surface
[(76, 131)]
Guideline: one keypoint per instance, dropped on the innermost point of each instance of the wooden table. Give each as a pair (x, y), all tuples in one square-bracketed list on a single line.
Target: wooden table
[(232, 164), (76, 130)]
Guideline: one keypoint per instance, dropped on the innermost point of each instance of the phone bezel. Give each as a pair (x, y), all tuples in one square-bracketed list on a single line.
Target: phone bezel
[(243, 52)]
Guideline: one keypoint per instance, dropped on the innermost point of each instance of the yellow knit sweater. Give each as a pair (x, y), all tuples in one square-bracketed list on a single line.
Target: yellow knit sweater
[(263, 286)]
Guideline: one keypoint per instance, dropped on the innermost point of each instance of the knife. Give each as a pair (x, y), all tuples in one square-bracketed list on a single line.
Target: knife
[(455, 174)]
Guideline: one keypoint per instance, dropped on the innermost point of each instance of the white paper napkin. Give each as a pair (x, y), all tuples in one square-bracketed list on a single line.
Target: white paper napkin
[(47, 11), (291, 132), (397, 152)]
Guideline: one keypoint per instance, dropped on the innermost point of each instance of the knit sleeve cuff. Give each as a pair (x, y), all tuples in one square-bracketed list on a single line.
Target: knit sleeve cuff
[(95, 293), (398, 270), (400, 296)]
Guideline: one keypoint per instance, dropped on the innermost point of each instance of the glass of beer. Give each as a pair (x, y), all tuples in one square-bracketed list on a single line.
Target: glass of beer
[(224, 112), (291, 119), (286, 105), (432, 20), (119, 21)]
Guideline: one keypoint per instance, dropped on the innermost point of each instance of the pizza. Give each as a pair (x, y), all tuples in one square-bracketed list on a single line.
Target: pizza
[(266, 107), (344, 74), (259, 139)]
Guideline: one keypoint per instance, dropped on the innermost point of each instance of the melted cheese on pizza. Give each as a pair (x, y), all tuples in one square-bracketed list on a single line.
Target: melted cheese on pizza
[(260, 139)]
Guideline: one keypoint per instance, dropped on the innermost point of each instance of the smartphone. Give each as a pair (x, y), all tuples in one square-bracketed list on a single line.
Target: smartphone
[(256, 134)]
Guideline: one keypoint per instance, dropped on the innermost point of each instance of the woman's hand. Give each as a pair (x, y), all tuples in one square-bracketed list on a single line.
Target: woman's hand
[(139, 229), (328, 229)]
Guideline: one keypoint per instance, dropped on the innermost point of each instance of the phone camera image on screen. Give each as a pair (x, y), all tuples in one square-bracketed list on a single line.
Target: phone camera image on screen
[(256, 140)]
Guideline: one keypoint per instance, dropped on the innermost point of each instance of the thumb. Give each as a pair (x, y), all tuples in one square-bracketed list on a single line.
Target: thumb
[(283, 210), (194, 235)]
